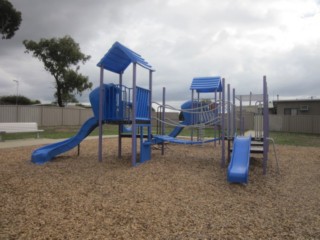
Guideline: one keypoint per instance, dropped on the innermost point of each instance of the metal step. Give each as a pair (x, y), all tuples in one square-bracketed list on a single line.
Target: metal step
[(256, 149), (256, 143)]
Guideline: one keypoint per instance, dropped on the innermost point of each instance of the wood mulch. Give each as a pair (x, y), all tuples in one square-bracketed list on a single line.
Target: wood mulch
[(181, 195)]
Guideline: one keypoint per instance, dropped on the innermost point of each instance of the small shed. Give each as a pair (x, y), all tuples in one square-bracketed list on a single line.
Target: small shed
[(297, 107)]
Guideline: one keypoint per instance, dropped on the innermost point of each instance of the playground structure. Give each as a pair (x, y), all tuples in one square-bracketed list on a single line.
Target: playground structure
[(122, 105), (197, 113)]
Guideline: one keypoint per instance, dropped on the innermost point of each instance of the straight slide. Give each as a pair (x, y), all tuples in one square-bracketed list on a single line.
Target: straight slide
[(166, 138), (238, 169), (46, 153), (177, 130)]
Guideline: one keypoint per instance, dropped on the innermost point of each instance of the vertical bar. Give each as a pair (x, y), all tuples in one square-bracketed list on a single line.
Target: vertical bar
[(229, 112), (234, 111), (219, 110), (198, 116), (120, 126), (150, 105), (229, 121), (134, 112), (162, 117), (101, 95), (265, 125), (215, 117), (241, 120), (192, 113), (223, 157)]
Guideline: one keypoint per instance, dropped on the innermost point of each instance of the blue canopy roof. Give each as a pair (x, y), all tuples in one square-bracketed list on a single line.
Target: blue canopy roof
[(206, 84), (119, 57)]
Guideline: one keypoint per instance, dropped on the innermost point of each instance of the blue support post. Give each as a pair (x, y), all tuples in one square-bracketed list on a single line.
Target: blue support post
[(120, 126), (234, 111), (134, 115), (145, 146), (192, 114), (229, 112), (215, 117), (162, 117), (101, 94), (223, 156), (150, 95), (241, 118), (265, 125)]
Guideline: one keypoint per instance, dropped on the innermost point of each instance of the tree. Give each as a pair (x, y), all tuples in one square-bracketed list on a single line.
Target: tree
[(21, 100), (59, 56), (10, 19)]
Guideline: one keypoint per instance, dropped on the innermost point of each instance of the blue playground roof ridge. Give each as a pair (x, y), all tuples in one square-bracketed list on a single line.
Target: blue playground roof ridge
[(119, 57), (206, 84)]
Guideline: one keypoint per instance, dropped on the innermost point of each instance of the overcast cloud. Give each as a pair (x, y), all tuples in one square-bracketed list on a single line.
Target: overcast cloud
[(181, 39)]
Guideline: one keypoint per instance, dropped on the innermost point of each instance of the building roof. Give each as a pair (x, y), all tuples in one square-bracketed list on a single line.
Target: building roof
[(296, 100), (119, 57), (206, 84)]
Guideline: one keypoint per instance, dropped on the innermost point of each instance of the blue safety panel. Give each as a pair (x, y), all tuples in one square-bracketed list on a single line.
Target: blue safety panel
[(206, 84), (145, 151), (117, 103), (119, 57)]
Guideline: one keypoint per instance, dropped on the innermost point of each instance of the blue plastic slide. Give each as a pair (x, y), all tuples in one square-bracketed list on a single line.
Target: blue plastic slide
[(238, 169), (177, 130), (46, 153)]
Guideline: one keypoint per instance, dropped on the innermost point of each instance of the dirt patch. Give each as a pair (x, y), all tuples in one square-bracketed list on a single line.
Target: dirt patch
[(181, 195)]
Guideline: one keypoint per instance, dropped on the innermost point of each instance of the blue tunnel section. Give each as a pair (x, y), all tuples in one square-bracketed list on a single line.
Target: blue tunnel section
[(112, 97)]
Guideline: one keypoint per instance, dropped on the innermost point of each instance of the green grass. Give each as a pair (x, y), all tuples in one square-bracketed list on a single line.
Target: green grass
[(296, 139), (281, 138)]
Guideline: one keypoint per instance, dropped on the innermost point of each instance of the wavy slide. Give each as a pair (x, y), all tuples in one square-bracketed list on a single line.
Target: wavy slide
[(46, 153), (238, 169)]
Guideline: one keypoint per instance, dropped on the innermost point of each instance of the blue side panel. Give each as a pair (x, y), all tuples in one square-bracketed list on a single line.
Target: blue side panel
[(46, 153), (117, 103), (111, 94), (238, 169), (145, 151)]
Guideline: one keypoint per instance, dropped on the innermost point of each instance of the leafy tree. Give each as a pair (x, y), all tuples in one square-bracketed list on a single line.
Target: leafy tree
[(59, 56), (21, 100), (10, 19)]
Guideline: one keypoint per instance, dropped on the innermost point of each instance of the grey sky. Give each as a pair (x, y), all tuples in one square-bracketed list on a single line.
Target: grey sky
[(239, 40)]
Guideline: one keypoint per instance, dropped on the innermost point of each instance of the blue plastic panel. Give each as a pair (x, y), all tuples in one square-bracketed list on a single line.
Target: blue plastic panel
[(117, 104), (119, 57), (206, 84)]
